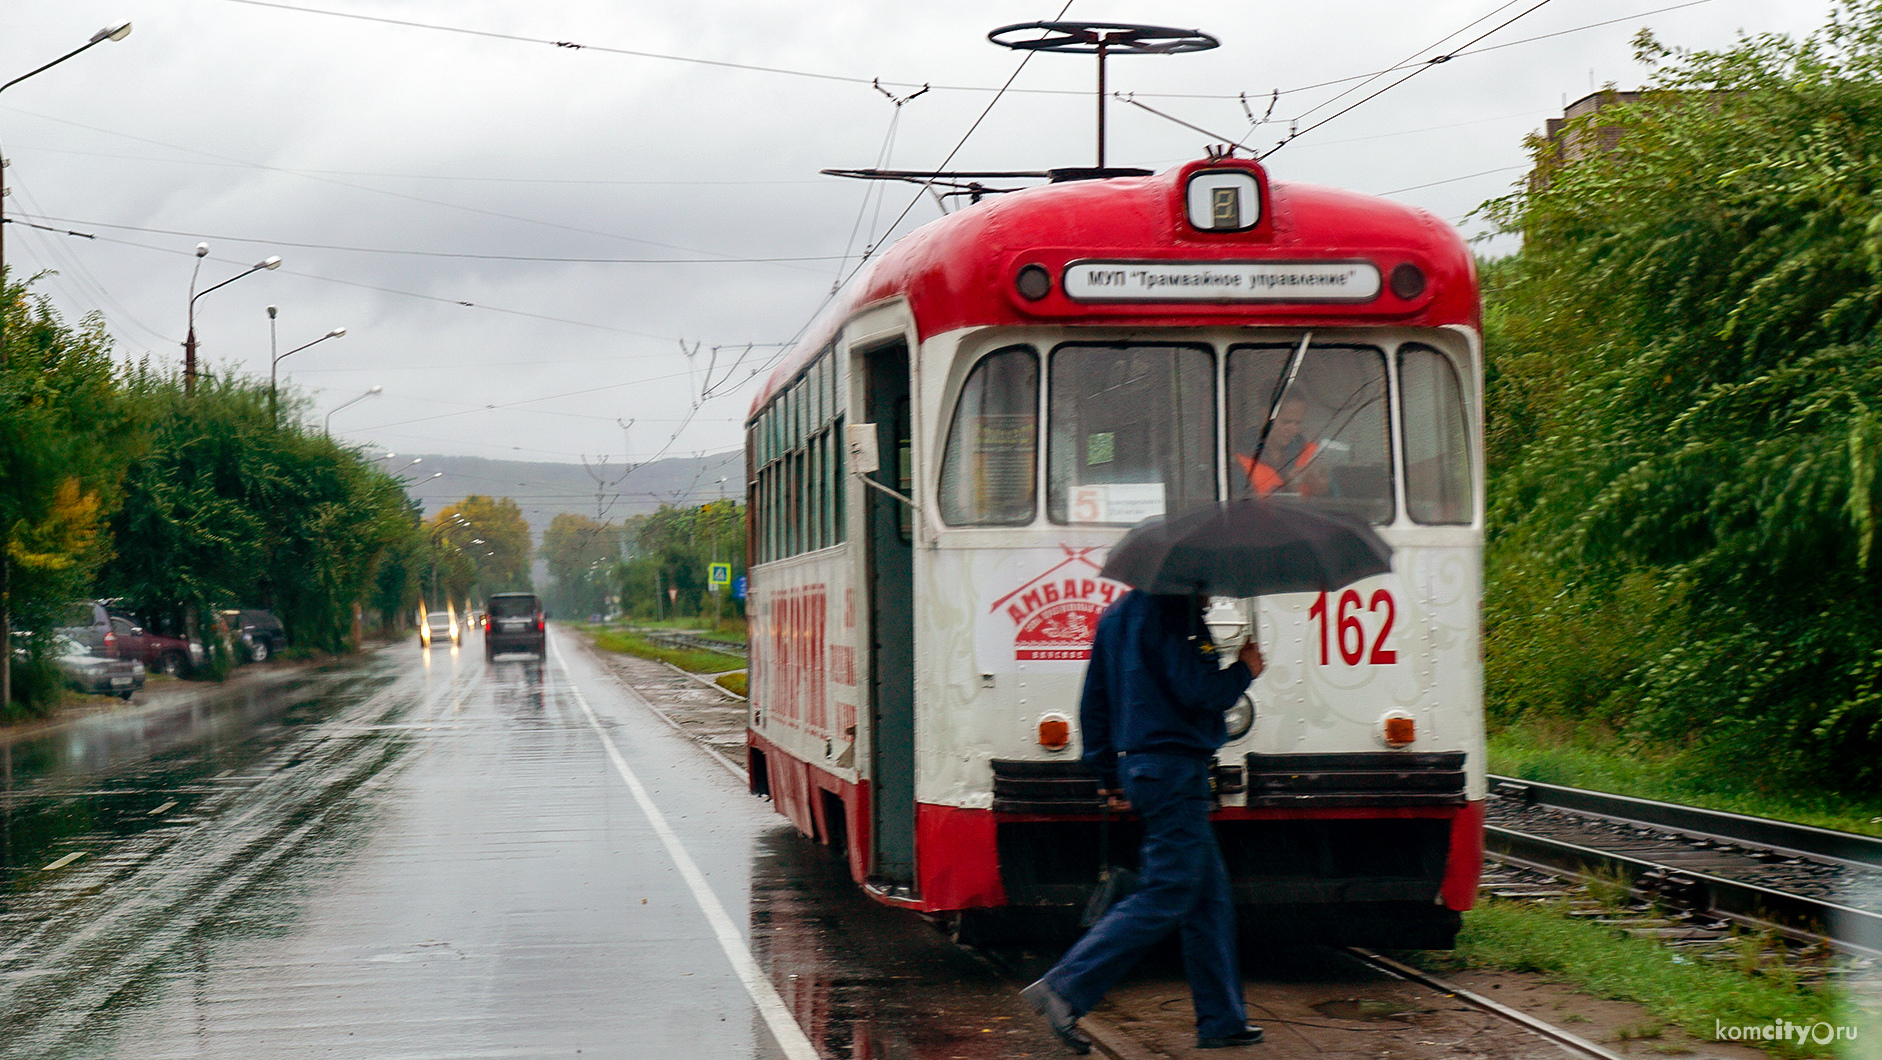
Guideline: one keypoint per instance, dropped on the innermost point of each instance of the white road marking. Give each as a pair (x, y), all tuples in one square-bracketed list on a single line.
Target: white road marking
[(777, 1016)]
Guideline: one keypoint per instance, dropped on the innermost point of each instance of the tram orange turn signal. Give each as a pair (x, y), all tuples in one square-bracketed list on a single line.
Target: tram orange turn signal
[(1055, 732), (1400, 730)]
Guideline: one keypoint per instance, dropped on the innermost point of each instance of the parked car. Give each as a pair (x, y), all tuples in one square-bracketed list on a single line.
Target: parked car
[(516, 622), (161, 652), (258, 634), (88, 623), (112, 634), (438, 626), (95, 673)]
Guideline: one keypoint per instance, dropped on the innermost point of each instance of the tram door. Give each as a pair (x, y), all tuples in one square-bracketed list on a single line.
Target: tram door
[(890, 576)]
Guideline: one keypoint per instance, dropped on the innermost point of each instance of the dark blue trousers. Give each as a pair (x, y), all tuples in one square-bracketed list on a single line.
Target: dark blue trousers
[(1182, 885)]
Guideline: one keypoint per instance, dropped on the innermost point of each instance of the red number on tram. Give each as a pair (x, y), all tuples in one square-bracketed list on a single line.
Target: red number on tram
[(1351, 632)]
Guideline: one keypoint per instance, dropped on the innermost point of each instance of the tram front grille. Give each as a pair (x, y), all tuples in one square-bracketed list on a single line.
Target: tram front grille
[(1043, 787), (1357, 778)]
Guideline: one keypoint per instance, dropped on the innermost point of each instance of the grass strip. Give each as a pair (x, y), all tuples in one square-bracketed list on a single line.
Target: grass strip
[(1754, 989), (691, 660), (1688, 777)]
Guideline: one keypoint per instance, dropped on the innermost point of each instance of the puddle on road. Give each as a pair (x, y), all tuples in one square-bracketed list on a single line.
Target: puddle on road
[(1360, 1008), (864, 980), (112, 776)]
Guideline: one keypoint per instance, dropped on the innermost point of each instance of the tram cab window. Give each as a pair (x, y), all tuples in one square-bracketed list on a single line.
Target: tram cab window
[(1131, 432), (1437, 437), (1330, 443), (988, 473)]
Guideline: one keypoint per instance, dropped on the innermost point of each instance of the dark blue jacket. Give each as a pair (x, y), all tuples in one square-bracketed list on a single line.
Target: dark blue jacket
[(1154, 684)]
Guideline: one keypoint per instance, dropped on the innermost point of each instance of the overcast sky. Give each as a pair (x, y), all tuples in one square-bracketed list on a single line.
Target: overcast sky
[(403, 171)]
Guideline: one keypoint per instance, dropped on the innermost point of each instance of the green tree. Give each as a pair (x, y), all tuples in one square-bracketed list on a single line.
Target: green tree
[(1687, 376), (62, 450), (492, 534), (581, 555), (222, 509), (665, 573), (446, 574)]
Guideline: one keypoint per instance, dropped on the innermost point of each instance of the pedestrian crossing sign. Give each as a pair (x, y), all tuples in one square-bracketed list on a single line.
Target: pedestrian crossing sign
[(718, 574)]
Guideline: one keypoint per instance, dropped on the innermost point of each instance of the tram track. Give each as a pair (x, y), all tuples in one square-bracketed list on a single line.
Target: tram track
[(1118, 1036), (691, 641), (1806, 883)]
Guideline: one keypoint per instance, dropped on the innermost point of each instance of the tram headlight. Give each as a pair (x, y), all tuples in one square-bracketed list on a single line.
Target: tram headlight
[(1240, 717), (1408, 281), (1033, 283)]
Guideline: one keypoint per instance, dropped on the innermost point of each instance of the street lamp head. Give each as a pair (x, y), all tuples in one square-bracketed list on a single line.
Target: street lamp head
[(272, 310), (269, 263), (335, 333), (118, 32), (375, 390), (202, 250)]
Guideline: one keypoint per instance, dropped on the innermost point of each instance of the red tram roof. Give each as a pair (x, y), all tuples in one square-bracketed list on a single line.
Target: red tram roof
[(960, 270)]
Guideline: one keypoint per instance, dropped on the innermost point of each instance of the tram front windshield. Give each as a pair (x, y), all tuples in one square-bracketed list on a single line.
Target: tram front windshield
[(1329, 440), (1132, 432)]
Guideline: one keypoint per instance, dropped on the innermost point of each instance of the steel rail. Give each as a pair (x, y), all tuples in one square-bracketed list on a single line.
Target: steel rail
[(1783, 837), (1570, 1042), (693, 641), (1747, 903)]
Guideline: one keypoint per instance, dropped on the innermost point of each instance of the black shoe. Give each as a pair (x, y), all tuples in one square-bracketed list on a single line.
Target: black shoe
[(1249, 1035), (1058, 1012)]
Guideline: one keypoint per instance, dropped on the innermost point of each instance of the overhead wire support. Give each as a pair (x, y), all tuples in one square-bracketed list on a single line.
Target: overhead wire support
[(1296, 132), (882, 159)]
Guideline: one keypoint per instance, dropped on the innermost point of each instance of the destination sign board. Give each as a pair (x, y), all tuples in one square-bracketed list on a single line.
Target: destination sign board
[(1222, 281)]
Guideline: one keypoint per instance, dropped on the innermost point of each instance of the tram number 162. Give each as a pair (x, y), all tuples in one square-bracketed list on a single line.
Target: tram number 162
[(1349, 633)]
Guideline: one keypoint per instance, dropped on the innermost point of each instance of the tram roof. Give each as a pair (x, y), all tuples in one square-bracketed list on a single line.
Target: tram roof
[(960, 270)]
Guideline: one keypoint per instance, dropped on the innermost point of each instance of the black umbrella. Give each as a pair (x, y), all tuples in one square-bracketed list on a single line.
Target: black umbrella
[(1248, 548)]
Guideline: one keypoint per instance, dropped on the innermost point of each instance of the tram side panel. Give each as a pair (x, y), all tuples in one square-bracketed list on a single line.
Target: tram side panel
[(805, 737)]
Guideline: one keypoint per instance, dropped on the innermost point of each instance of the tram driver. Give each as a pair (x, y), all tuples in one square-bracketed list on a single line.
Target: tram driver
[(1286, 463)]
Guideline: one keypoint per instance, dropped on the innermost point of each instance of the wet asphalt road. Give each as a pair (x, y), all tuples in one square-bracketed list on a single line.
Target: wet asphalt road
[(429, 855)]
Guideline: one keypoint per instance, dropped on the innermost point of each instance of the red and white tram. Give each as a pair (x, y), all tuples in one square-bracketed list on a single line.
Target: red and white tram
[(1038, 372)]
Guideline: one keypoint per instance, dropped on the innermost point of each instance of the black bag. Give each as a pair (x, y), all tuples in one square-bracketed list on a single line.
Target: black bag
[(1115, 882)]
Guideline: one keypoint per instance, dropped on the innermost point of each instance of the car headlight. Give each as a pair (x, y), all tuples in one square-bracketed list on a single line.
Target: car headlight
[(1240, 717)]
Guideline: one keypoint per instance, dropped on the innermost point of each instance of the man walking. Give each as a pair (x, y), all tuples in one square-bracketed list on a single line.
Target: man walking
[(1151, 718)]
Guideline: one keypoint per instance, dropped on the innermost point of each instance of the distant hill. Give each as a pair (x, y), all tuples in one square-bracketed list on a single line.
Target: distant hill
[(544, 490)]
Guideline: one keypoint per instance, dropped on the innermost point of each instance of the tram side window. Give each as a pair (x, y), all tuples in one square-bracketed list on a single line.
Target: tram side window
[(799, 489), (988, 475), (1131, 432), (1330, 442), (1437, 437)]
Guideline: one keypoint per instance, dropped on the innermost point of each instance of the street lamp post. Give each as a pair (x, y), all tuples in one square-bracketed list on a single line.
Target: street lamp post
[(275, 359), (189, 340), (329, 424), (118, 32)]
